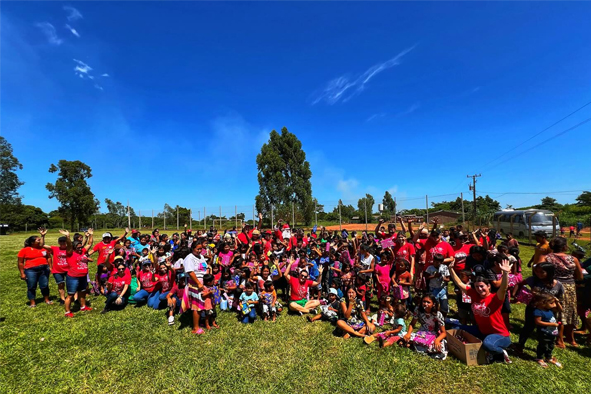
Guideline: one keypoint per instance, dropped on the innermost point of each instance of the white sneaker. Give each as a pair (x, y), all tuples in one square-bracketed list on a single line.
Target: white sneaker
[(170, 320)]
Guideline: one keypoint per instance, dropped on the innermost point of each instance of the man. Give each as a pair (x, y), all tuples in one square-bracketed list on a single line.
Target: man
[(299, 290), (542, 248), (106, 248), (434, 245), (511, 242), (379, 234), (135, 238)]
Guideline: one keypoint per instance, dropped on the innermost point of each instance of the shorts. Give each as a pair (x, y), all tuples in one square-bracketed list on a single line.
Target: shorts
[(301, 302), (59, 277), (268, 309), (75, 284)]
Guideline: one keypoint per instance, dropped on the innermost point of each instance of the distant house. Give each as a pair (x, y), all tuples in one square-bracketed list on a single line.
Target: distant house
[(444, 217)]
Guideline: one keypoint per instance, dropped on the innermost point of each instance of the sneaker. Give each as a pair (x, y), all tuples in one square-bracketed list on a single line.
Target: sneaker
[(170, 320), (554, 361), (69, 314), (85, 308), (506, 358)]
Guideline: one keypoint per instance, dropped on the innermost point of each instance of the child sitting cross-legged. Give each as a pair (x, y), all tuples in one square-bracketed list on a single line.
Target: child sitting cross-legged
[(396, 334), (330, 311)]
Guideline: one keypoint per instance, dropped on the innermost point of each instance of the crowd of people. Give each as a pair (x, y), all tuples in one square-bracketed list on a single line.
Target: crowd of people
[(330, 276)]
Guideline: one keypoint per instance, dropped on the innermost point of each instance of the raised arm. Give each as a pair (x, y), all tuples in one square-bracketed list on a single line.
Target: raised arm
[(121, 238), (505, 266), (456, 279), (288, 269), (69, 247), (377, 229), (42, 232), (319, 279), (402, 224), (260, 224)]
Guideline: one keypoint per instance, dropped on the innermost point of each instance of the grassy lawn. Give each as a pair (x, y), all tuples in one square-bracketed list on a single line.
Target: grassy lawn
[(135, 351)]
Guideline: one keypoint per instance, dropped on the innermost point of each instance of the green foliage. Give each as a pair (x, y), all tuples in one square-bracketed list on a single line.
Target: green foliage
[(73, 192), (9, 182), (584, 199), (550, 204), (389, 204), (20, 217), (365, 204), (284, 175)]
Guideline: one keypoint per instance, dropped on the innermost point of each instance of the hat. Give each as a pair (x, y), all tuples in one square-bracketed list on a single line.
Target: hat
[(424, 231), (256, 232), (134, 231), (268, 232), (227, 235), (333, 291), (105, 235), (118, 258), (285, 226)]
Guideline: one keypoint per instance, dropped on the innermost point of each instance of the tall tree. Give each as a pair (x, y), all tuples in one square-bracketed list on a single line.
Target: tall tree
[(550, 204), (9, 182), (73, 192), (284, 175), (584, 199), (364, 203), (389, 205)]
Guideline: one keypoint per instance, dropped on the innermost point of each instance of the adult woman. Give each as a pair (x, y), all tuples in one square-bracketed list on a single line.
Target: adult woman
[(568, 269), (299, 290), (404, 250), (353, 320), (461, 250), (77, 275), (117, 287), (34, 263), (486, 306)]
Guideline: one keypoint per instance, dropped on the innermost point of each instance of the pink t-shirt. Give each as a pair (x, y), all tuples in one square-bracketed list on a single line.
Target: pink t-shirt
[(383, 274)]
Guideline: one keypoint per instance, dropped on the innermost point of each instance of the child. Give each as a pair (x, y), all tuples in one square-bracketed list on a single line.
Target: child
[(386, 311), (347, 277), (175, 296), (390, 337), (248, 300), (228, 288), (547, 328), (208, 308), (430, 338), (463, 300), (269, 298), (401, 281), (330, 311), (438, 277), (100, 280)]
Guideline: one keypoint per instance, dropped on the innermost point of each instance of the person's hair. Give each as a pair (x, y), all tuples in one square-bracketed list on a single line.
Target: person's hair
[(195, 244), (268, 284), (477, 249), (31, 240), (155, 231), (181, 253), (550, 270), (481, 279), (102, 267), (349, 288), (208, 278), (503, 249), (406, 264), (75, 245), (558, 245), (514, 252), (249, 285), (121, 263), (438, 257), (541, 300), (62, 239), (467, 273), (400, 310), (435, 307)]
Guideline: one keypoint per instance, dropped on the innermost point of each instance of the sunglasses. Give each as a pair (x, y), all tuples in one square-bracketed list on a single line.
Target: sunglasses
[(304, 276)]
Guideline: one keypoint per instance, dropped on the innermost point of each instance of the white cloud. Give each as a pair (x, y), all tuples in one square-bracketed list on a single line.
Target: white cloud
[(409, 110), (105, 75), (50, 32), (375, 116), (82, 69), (72, 30), (336, 89), (99, 87), (73, 13)]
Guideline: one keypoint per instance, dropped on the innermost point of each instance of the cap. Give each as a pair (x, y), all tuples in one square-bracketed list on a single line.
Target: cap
[(285, 226), (268, 232), (134, 231), (333, 291), (105, 235), (227, 235), (118, 258), (256, 232)]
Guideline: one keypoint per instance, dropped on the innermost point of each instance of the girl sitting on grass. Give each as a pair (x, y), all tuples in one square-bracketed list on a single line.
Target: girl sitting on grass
[(396, 335), (430, 338), (353, 320)]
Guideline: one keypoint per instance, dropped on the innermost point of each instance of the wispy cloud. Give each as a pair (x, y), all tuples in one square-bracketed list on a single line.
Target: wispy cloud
[(49, 31), (73, 13), (99, 87), (409, 110), (375, 116), (82, 69), (346, 87), (105, 75), (74, 32)]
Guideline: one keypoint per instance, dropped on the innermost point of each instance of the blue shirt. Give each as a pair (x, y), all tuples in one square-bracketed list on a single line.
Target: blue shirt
[(547, 317)]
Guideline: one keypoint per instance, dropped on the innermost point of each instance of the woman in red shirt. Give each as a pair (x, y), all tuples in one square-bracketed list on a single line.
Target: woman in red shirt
[(486, 306), (117, 287), (77, 276), (34, 263)]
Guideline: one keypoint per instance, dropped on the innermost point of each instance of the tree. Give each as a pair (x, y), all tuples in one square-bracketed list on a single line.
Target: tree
[(550, 204), (73, 192), (284, 175), (389, 204), (9, 182), (117, 213), (22, 217), (366, 203), (584, 199)]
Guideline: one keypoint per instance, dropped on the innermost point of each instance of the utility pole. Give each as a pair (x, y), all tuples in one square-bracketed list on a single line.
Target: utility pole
[(177, 218), (427, 207), (463, 215), (473, 188)]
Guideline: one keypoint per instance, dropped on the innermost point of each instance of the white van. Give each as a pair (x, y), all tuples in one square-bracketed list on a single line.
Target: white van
[(517, 222)]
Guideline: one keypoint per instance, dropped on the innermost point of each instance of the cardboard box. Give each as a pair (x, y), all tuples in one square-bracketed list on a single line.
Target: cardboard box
[(471, 353)]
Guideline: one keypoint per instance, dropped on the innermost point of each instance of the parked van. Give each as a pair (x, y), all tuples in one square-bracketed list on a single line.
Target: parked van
[(541, 220)]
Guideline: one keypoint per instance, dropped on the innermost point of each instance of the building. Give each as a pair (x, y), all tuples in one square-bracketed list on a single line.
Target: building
[(444, 217)]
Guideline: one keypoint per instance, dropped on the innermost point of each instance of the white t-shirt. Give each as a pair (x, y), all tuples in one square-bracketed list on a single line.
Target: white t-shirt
[(196, 264), (437, 283), (366, 261)]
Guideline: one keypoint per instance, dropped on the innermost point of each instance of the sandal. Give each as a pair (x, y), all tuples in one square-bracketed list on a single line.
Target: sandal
[(542, 363), (554, 361), (369, 339), (198, 332)]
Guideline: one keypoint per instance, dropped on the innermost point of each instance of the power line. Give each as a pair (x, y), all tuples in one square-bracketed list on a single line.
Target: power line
[(557, 192), (543, 142), (535, 135)]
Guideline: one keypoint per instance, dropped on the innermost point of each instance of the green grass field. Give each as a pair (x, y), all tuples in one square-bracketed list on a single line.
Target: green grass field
[(135, 351)]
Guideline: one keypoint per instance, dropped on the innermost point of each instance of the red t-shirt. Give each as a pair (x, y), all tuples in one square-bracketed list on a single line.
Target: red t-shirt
[(487, 313), (405, 251), (299, 291), (103, 250), (432, 248), (146, 280), (34, 257), (165, 281), (460, 254), (119, 283), (127, 274), (177, 291), (77, 264), (242, 238), (60, 262)]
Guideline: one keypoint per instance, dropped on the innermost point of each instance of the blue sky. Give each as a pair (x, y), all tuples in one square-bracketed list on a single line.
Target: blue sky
[(399, 96)]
